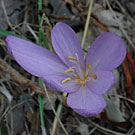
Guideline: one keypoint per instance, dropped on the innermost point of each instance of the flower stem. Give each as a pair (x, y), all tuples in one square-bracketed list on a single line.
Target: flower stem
[(41, 110), (41, 104)]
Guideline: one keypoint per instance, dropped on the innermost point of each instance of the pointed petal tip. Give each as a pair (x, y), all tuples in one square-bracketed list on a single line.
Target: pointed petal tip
[(8, 44), (66, 43), (116, 37), (39, 62), (107, 52), (10, 38), (60, 23), (33, 58)]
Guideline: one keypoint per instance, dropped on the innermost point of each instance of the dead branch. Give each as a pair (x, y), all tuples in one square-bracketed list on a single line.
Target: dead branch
[(16, 76)]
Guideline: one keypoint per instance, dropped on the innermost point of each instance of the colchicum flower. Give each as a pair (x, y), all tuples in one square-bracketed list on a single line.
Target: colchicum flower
[(85, 80)]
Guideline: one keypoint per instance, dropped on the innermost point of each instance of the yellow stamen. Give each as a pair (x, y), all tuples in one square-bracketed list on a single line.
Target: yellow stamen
[(89, 66), (93, 75), (69, 70), (77, 77), (67, 79), (73, 58), (81, 82), (87, 78)]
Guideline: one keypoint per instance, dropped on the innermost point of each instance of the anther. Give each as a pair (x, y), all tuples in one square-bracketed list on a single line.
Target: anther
[(73, 58), (77, 77), (87, 78), (89, 66), (69, 70), (93, 75), (82, 82), (67, 79)]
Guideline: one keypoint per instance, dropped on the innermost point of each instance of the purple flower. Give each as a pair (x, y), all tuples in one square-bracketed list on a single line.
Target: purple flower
[(86, 80)]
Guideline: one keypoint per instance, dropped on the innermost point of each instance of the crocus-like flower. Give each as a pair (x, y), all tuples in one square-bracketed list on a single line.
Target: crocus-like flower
[(86, 80)]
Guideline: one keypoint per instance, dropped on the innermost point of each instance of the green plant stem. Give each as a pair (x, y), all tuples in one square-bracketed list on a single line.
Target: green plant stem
[(59, 109), (41, 110), (39, 5), (41, 104), (39, 21), (44, 40)]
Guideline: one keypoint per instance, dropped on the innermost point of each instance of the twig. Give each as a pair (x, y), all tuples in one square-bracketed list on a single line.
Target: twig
[(5, 13), (2, 42), (55, 122), (15, 75), (49, 27), (97, 22), (92, 130), (59, 110), (122, 97), (43, 130), (58, 16), (120, 25), (6, 93), (128, 80), (87, 23), (54, 109), (10, 108), (32, 32), (104, 129)]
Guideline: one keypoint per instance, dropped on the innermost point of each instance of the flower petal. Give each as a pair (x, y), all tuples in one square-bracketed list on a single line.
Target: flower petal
[(40, 62), (33, 58), (104, 81), (54, 82), (66, 43), (107, 52), (85, 102)]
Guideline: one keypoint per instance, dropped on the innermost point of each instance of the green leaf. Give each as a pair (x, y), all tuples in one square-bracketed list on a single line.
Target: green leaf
[(6, 33), (113, 113)]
